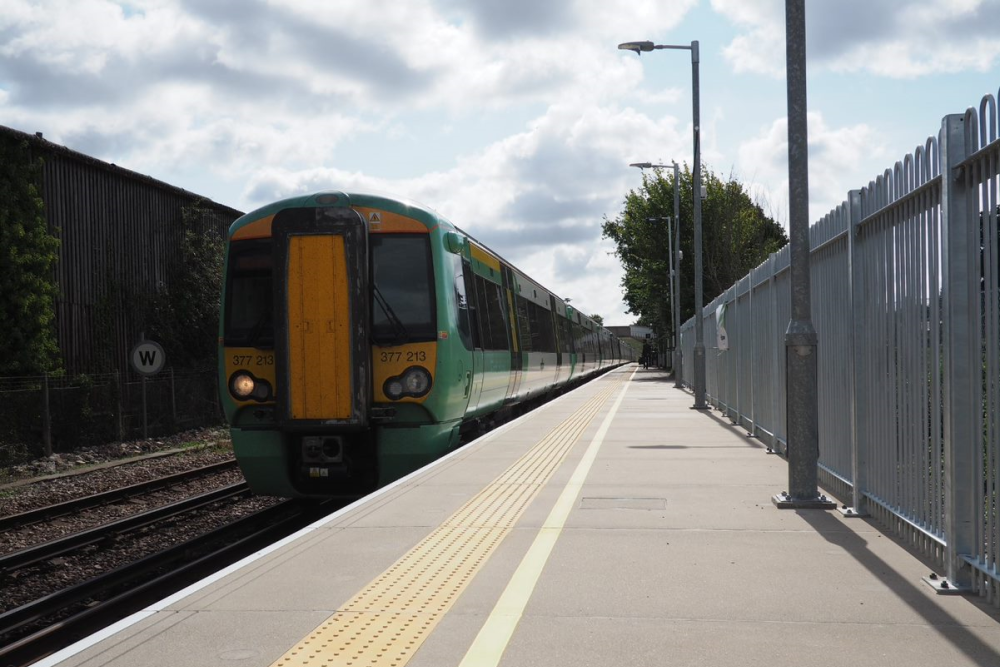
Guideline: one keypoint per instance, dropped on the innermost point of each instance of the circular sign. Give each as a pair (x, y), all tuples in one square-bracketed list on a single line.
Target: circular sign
[(148, 358)]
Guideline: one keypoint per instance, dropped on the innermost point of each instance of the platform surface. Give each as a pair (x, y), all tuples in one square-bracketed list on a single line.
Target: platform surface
[(614, 526)]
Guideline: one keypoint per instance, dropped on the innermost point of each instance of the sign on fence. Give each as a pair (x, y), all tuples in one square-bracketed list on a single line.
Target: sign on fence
[(720, 324), (148, 357)]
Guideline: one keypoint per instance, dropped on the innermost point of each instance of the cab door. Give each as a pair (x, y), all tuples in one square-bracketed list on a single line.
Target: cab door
[(478, 361), (321, 350)]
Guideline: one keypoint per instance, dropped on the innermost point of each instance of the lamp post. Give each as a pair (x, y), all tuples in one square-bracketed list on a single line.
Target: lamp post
[(802, 401), (675, 266), (699, 328)]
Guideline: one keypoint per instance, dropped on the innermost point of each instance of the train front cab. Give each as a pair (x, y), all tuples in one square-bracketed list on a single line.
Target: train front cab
[(295, 355), (328, 370)]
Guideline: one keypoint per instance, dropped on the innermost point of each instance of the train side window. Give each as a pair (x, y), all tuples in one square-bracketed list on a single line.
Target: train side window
[(580, 340), (541, 329), (498, 317), (523, 324), (485, 316), (462, 303), (557, 331), (475, 315), (492, 316), (567, 336)]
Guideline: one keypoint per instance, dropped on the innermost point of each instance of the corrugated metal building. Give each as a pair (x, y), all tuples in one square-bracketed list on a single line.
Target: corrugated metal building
[(118, 231)]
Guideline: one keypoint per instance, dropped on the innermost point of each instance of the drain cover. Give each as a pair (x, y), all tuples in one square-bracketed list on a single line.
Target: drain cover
[(623, 503)]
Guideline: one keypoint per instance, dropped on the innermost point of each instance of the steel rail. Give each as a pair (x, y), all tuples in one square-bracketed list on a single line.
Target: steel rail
[(34, 554), (128, 588), (68, 507)]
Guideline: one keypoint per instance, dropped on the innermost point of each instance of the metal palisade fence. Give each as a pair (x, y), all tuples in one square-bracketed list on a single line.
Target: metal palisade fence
[(906, 303), (41, 415)]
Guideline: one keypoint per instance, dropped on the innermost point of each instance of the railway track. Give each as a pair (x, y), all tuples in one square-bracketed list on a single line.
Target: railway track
[(23, 519), (41, 627), (116, 530)]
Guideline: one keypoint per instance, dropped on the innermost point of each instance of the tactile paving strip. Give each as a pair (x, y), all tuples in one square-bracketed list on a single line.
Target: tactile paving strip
[(387, 622)]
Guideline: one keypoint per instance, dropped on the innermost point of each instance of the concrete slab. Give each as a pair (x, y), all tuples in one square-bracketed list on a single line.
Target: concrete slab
[(704, 506), (640, 642), (672, 553), (316, 574), (741, 575), (203, 639)]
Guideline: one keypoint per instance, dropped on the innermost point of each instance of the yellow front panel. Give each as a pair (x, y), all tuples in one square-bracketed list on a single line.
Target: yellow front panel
[(258, 229), (319, 331), (380, 221), (393, 361), (259, 363)]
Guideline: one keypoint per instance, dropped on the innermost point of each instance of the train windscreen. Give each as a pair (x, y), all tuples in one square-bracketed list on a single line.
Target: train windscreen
[(249, 308), (402, 289)]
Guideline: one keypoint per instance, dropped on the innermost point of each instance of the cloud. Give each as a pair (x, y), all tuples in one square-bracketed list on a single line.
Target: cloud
[(275, 98), (505, 19), (896, 38), (840, 159), (537, 197)]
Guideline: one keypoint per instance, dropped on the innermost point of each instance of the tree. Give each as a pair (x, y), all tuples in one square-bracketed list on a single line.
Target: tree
[(736, 237), (28, 254), (598, 319), (184, 316)]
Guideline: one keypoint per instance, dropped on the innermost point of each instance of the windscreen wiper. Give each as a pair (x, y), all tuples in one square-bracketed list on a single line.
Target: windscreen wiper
[(398, 329), (258, 327)]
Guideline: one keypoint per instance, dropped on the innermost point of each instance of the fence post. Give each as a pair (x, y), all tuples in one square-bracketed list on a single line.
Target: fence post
[(145, 419), (858, 406), (219, 413), (173, 399), (776, 365), (753, 356), (733, 361), (121, 405), (46, 417), (959, 293)]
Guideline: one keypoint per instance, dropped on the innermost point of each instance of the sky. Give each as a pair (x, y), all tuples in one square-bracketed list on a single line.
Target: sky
[(515, 119)]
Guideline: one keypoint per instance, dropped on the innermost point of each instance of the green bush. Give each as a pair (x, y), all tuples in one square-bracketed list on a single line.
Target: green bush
[(28, 253)]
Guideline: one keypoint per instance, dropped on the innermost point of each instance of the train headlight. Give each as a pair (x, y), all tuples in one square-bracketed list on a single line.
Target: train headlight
[(394, 389), (414, 382), (262, 390), (417, 381), (242, 385)]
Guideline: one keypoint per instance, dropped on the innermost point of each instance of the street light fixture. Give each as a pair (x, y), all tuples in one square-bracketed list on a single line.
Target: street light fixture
[(675, 266), (699, 327)]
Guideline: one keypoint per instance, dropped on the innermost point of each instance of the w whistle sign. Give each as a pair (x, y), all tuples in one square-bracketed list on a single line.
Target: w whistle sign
[(147, 358)]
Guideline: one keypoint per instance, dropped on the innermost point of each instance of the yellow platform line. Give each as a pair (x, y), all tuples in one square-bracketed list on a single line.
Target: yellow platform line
[(388, 620), (493, 638)]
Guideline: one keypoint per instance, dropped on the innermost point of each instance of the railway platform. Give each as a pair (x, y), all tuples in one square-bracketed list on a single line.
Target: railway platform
[(613, 526)]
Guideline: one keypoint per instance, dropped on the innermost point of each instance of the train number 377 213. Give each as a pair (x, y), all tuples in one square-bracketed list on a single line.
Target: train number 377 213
[(252, 359), (411, 356)]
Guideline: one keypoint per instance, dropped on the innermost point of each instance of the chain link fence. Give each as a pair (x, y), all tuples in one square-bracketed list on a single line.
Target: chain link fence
[(41, 415)]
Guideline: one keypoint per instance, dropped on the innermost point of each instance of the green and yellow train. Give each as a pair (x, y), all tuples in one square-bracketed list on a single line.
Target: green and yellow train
[(361, 335)]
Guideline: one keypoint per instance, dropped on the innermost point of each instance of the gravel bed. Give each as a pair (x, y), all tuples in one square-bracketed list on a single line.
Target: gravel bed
[(67, 525), (202, 448), (23, 586), (84, 473)]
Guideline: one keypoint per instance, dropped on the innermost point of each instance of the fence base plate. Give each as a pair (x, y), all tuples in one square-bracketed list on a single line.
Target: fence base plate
[(945, 587), (851, 513), (783, 501)]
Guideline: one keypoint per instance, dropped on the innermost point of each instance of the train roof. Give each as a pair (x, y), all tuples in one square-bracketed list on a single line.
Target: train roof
[(402, 206)]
